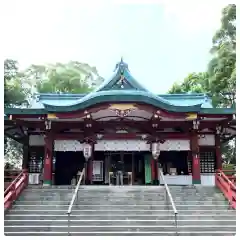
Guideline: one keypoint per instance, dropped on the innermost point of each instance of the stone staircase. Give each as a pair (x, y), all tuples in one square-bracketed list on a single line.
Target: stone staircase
[(128, 210)]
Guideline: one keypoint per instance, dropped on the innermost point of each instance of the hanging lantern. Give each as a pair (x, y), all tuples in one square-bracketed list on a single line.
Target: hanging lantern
[(87, 150), (155, 150)]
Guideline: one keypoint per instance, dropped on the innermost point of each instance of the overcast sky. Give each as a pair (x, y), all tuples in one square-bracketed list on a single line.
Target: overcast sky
[(161, 43)]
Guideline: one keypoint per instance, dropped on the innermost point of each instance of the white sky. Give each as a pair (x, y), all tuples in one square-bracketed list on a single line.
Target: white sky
[(161, 42)]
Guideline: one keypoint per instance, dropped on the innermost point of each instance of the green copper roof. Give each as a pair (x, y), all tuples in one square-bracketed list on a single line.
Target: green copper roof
[(122, 79), (122, 96), (70, 99)]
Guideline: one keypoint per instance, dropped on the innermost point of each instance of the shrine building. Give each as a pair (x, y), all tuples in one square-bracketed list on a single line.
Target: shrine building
[(179, 133)]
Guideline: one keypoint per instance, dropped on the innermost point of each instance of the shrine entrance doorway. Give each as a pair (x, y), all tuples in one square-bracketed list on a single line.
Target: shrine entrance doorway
[(134, 167), (67, 166)]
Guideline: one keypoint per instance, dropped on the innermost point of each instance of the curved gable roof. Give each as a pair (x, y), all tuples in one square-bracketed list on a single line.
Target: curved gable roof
[(122, 79), (122, 96), (121, 87)]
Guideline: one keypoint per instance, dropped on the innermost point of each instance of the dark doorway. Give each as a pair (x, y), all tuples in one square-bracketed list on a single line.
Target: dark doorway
[(174, 159), (67, 165), (139, 168)]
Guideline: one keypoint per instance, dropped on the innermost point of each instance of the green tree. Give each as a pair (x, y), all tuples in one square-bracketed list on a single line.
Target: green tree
[(14, 92), (219, 82), (227, 33), (194, 82), (222, 67), (14, 95), (73, 77)]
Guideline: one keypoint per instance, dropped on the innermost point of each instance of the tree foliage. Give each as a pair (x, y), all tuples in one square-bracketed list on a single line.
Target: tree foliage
[(219, 82), (222, 67), (14, 95), (194, 82), (73, 77), (14, 92)]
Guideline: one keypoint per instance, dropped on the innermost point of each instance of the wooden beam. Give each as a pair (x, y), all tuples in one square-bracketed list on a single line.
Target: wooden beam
[(229, 117), (10, 128), (29, 124), (82, 113), (20, 139), (119, 136), (33, 116), (143, 126)]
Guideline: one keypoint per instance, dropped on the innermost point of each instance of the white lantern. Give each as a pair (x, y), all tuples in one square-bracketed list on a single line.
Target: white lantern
[(87, 150), (155, 150)]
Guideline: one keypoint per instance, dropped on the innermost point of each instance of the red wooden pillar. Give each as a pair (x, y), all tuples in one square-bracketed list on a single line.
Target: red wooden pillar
[(196, 176), (218, 152), (156, 172), (90, 167), (153, 172), (25, 154), (48, 155)]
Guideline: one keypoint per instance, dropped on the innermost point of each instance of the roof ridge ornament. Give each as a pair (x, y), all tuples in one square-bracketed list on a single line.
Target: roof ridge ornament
[(121, 66)]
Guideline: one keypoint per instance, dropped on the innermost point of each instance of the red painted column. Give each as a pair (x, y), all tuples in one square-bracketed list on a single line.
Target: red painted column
[(218, 152), (153, 174), (189, 159), (196, 177), (25, 154), (48, 155), (90, 166), (156, 172)]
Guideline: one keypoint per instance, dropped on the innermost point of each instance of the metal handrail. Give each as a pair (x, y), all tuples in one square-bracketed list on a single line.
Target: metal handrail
[(170, 197), (74, 197)]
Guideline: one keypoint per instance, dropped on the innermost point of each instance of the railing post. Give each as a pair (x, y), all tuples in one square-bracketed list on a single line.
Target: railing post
[(169, 195), (13, 190), (68, 223), (75, 195), (176, 223), (230, 195), (25, 174)]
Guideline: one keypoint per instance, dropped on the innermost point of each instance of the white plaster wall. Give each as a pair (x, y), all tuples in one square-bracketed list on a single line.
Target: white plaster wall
[(121, 145), (113, 145), (67, 145), (177, 179), (208, 179), (36, 140), (33, 178), (175, 145), (208, 140)]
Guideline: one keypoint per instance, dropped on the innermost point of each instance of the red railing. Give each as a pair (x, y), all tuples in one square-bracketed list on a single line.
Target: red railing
[(15, 189), (9, 177), (227, 187), (231, 175)]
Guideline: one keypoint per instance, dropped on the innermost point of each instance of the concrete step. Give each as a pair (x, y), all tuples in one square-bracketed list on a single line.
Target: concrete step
[(74, 216), (89, 212), (116, 191), (96, 197), (124, 233), (131, 202), (117, 222), (116, 228), (113, 207), (113, 213)]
